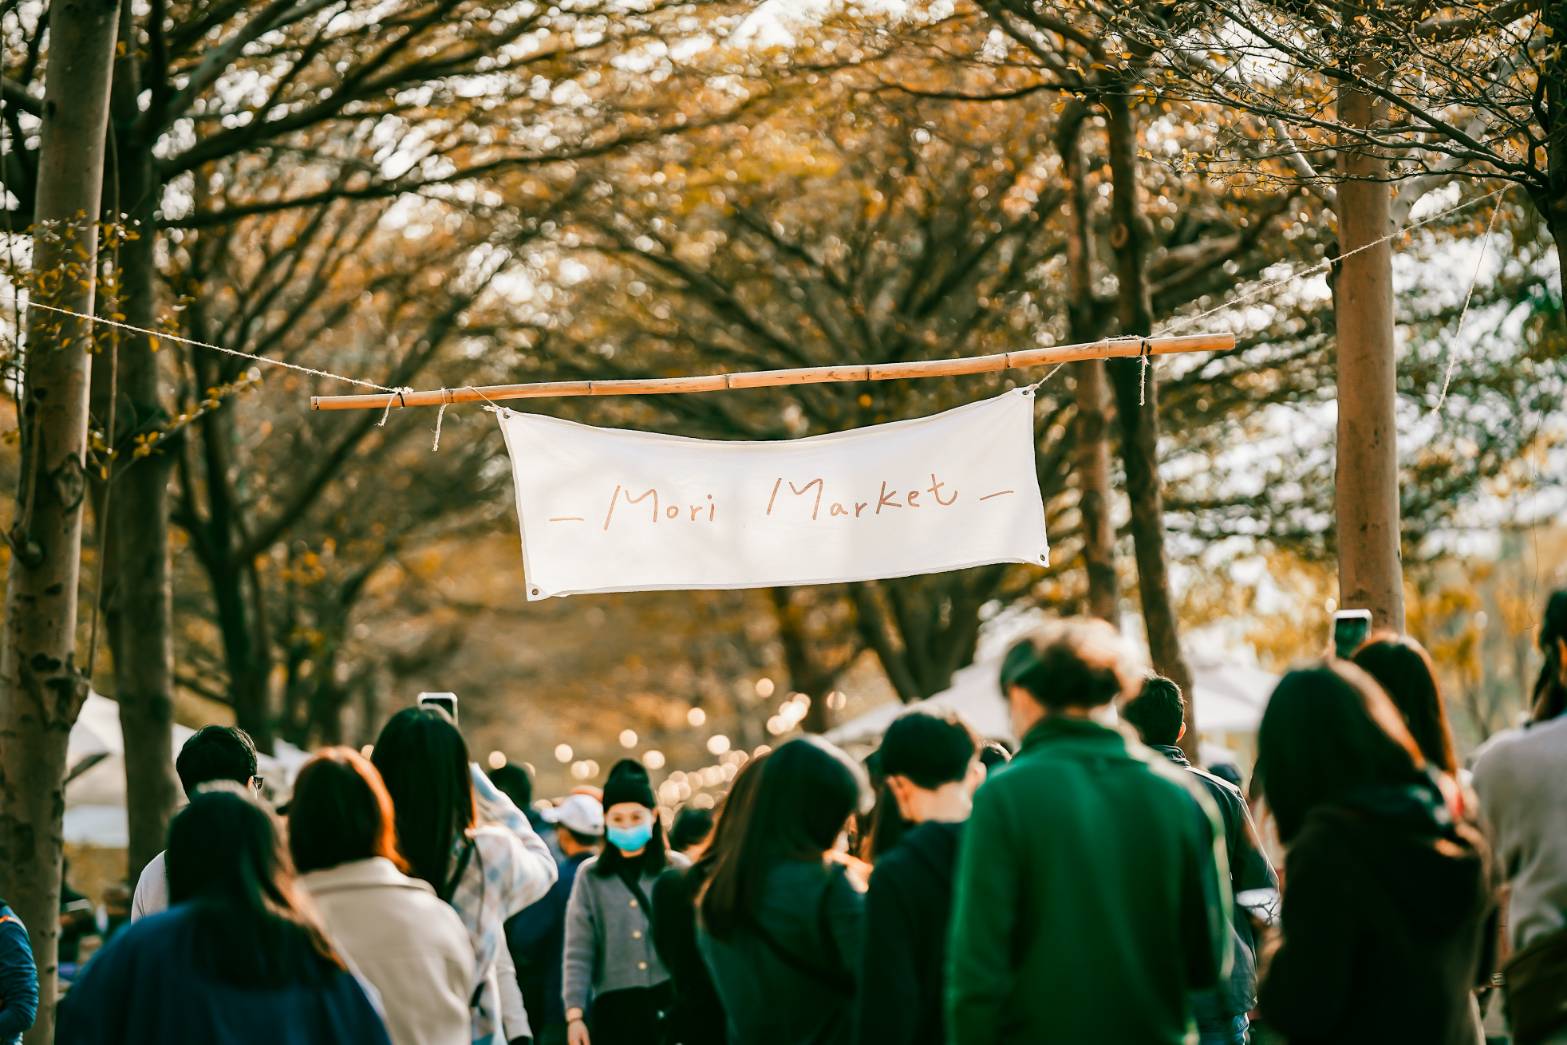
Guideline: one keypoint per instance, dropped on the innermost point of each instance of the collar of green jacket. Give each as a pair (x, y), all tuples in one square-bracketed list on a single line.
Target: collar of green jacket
[(1078, 732)]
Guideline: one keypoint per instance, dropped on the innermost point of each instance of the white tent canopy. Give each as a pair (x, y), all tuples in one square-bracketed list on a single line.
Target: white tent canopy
[(95, 774), (1229, 699)]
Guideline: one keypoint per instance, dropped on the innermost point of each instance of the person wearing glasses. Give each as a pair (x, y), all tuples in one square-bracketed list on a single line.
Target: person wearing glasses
[(212, 754)]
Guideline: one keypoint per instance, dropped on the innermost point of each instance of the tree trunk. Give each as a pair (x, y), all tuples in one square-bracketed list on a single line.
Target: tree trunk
[(245, 642), (43, 687), (805, 675), (1091, 452), (1366, 485), (140, 614), (1137, 409)]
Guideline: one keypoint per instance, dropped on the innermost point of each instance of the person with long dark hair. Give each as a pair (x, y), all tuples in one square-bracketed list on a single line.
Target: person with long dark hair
[(1518, 776), (1403, 668), (930, 764), (780, 920), (18, 978), (397, 933), (1387, 905), (696, 1016), (610, 958), (467, 840), (238, 958)]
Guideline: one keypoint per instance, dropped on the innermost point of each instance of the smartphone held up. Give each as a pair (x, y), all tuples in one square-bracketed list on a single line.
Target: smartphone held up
[(1350, 630), (447, 702)]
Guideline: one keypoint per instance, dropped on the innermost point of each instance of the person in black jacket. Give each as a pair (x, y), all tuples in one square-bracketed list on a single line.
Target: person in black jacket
[(1158, 713), (697, 1017), (780, 917), (931, 768), (1388, 909)]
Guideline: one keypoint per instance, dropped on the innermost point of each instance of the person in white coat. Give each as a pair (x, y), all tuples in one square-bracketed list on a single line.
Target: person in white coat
[(468, 841), (393, 929)]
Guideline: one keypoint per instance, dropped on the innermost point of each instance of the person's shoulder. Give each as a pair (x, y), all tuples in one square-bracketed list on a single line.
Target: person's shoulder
[(1502, 751), (678, 861), (442, 920), (1492, 753), (1177, 784), (495, 843), (162, 935), (893, 869), (1327, 839), (156, 868), (11, 927), (154, 877), (584, 870), (671, 880), (1224, 793)]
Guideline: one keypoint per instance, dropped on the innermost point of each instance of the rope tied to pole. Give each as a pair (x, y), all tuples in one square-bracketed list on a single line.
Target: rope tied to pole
[(399, 392), (440, 415), (1143, 365)]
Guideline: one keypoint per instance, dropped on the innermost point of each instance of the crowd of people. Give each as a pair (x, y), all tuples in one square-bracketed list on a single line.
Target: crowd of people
[(1095, 886)]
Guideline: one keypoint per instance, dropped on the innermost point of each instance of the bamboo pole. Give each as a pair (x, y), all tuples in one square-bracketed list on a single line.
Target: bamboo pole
[(1105, 348)]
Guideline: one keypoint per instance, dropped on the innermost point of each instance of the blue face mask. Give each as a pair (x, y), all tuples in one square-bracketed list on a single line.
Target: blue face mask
[(629, 839)]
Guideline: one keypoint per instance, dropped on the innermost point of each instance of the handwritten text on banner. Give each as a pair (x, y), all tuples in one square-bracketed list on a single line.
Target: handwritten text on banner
[(608, 510)]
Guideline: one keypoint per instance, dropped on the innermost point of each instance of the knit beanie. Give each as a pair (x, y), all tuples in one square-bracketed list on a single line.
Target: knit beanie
[(628, 782)]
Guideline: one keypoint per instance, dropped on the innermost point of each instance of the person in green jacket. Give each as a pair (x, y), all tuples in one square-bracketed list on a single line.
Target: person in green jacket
[(1088, 902)]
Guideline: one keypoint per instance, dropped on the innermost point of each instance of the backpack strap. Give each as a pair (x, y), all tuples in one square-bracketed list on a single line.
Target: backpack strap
[(449, 890), (465, 857), (633, 882)]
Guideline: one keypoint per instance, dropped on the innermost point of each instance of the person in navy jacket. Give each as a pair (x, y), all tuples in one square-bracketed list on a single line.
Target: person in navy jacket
[(238, 959), (18, 978)]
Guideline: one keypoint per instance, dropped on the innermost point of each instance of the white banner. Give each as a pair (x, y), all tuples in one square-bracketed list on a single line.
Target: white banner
[(611, 510)]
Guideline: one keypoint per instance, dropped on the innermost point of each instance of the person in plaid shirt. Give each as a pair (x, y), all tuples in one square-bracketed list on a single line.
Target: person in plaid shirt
[(468, 840)]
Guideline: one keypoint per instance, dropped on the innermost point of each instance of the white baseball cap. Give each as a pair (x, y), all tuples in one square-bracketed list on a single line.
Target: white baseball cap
[(582, 814)]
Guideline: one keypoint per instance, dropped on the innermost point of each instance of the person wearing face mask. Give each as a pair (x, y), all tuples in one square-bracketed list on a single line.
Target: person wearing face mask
[(609, 955), (931, 767)]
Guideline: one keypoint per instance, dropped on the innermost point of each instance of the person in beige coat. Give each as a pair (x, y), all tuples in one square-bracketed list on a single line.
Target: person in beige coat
[(401, 937)]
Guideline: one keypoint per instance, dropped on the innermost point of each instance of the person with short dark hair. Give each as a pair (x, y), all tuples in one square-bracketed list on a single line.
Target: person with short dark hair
[(930, 764), (537, 936), (1088, 904), (469, 842), (18, 978), (1387, 912), (1518, 775), (211, 754), (780, 919), (238, 959), (610, 960), (1158, 713), (394, 929), (689, 834), (516, 783)]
